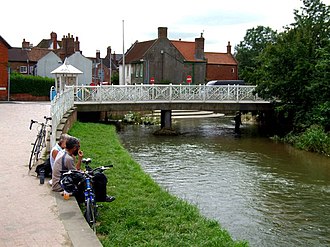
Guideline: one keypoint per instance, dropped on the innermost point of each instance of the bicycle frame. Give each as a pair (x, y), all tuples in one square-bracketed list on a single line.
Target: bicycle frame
[(40, 141)]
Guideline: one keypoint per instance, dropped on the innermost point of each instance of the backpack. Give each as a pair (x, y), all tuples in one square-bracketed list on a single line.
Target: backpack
[(46, 167)]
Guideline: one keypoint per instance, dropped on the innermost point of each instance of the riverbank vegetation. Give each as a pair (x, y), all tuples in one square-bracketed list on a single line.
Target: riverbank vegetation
[(143, 214), (292, 68)]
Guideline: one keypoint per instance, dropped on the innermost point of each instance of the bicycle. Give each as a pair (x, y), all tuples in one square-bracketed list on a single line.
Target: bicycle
[(40, 141), (69, 183)]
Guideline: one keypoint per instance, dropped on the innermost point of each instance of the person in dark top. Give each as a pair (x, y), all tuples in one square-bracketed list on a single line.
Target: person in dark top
[(238, 122)]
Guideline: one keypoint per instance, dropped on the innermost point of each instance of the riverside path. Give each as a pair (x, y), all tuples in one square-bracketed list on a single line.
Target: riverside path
[(29, 214)]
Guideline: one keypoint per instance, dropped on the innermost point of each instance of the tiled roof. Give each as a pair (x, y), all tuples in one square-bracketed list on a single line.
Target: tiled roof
[(17, 55), (220, 58), (35, 54), (138, 50), (186, 48), (22, 55), (46, 43)]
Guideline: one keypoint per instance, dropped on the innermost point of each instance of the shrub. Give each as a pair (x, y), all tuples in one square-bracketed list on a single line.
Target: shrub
[(34, 85), (314, 139)]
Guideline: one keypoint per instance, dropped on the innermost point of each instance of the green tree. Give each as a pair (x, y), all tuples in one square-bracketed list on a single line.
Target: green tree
[(248, 50), (295, 69)]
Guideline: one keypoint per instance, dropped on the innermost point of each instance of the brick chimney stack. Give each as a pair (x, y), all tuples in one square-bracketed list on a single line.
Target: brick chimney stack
[(162, 32), (25, 44), (108, 52), (199, 48), (53, 37), (77, 45), (98, 56), (229, 48)]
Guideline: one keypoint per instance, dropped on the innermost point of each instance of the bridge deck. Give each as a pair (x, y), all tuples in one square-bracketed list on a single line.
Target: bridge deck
[(223, 106)]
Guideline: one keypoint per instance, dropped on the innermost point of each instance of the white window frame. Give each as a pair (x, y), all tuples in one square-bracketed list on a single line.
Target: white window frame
[(23, 69)]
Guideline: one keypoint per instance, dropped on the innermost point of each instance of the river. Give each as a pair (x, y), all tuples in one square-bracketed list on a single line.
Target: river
[(267, 193)]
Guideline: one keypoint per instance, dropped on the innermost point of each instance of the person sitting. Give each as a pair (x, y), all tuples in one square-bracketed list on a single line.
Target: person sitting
[(59, 146), (66, 161)]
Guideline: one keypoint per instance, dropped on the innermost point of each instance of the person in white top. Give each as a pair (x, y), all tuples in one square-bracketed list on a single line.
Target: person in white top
[(57, 148)]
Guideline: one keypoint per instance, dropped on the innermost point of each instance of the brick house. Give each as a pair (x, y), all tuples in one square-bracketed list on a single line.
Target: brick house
[(171, 61), (4, 46), (221, 66), (24, 59)]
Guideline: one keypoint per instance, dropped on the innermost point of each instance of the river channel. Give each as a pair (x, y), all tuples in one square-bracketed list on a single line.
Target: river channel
[(267, 193)]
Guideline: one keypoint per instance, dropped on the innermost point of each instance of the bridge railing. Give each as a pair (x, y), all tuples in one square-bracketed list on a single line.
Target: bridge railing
[(60, 104), (169, 93)]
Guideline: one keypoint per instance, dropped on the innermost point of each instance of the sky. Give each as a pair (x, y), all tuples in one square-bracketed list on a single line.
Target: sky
[(102, 23)]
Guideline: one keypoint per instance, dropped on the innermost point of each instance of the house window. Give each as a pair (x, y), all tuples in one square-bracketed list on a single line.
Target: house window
[(233, 70), (141, 70), (137, 70), (23, 69)]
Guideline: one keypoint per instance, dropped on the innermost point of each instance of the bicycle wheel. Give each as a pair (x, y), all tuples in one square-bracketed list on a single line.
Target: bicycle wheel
[(34, 153), (90, 214)]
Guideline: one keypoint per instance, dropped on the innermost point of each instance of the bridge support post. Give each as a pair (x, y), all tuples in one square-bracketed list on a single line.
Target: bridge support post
[(166, 119)]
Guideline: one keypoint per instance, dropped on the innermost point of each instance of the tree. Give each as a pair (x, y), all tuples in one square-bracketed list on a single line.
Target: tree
[(247, 52), (296, 70)]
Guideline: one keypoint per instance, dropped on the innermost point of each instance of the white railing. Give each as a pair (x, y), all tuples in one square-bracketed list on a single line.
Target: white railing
[(169, 93), (60, 104)]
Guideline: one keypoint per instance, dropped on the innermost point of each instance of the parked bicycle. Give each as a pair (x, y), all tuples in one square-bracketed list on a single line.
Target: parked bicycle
[(40, 141), (72, 179)]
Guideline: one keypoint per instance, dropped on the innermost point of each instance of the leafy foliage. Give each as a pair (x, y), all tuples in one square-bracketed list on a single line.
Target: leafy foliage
[(247, 52), (34, 85), (294, 68)]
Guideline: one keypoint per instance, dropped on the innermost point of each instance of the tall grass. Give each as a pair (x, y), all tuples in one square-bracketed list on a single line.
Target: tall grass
[(143, 214)]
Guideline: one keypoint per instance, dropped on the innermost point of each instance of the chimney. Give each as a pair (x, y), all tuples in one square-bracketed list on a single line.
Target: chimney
[(108, 52), (199, 48), (25, 44), (162, 32), (77, 45), (229, 48), (98, 56), (53, 37)]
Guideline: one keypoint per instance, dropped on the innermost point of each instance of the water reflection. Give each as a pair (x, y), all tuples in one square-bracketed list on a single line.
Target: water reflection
[(269, 194)]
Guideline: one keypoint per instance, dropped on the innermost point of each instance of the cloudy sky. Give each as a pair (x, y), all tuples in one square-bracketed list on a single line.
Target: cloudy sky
[(99, 23)]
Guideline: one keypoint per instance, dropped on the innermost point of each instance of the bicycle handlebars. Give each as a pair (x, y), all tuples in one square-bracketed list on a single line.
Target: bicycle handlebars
[(34, 121)]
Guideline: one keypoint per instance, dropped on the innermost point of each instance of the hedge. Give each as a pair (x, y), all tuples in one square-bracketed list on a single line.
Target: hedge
[(34, 85)]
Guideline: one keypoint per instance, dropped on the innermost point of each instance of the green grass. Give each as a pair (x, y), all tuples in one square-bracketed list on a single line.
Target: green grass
[(143, 214)]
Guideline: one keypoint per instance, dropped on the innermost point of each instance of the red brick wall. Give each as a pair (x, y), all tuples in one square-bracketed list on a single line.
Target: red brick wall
[(28, 97), (3, 71), (221, 72)]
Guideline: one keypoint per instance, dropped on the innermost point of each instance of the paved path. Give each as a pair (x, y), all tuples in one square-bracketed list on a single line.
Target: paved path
[(29, 214)]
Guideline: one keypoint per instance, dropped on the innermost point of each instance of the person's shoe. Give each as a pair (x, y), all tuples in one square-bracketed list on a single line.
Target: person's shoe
[(110, 198)]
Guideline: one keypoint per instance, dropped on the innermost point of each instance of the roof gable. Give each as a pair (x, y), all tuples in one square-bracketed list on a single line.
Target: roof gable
[(138, 50), (220, 58), (186, 48), (2, 40)]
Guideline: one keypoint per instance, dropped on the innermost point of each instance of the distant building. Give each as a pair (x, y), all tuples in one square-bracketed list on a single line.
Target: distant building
[(101, 66), (173, 61)]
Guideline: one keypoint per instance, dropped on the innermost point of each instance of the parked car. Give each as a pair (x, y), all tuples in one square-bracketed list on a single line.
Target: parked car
[(225, 82)]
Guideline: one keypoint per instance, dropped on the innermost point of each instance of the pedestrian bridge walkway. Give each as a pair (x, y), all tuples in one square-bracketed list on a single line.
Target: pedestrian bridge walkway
[(147, 97)]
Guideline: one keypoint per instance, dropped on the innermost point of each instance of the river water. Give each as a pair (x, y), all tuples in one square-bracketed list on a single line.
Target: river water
[(267, 193)]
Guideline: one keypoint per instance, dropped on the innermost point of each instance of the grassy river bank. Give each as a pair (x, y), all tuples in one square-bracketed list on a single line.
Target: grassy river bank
[(143, 214)]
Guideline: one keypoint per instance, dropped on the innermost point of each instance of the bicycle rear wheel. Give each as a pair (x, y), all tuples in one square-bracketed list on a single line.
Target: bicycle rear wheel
[(35, 152), (90, 214)]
